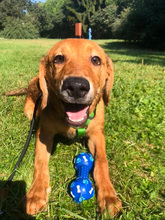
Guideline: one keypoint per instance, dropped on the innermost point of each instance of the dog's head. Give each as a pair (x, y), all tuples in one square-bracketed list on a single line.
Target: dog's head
[(79, 73)]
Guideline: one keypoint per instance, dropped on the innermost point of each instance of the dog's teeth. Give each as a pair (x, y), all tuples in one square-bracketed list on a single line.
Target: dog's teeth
[(76, 120)]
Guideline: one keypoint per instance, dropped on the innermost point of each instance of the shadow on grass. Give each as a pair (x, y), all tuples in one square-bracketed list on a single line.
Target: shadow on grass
[(67, 141), (11, 201), (136, 50)]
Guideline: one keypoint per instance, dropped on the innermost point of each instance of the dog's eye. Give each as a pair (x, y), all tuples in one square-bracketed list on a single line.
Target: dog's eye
[(96, 61), (59, 59)]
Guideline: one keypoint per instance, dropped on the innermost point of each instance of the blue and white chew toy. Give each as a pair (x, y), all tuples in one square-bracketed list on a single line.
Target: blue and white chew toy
[(81, 188)]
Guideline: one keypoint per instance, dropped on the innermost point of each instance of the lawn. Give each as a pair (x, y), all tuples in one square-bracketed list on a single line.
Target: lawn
[(134, 129)]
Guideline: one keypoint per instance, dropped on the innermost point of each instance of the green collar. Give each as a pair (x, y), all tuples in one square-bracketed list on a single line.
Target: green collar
[(80, 132)]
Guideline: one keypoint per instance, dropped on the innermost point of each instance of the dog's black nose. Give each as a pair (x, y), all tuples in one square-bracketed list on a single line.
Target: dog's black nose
[(76, 87)]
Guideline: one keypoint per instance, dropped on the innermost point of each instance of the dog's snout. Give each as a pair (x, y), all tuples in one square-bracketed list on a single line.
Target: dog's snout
[(76, 87)]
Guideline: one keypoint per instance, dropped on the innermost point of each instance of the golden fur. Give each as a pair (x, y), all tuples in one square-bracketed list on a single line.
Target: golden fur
[(77, 55)]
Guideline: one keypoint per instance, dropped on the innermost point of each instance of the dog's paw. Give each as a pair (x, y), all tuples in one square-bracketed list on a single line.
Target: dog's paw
[(109, 202), (35, 201), (34, 205)]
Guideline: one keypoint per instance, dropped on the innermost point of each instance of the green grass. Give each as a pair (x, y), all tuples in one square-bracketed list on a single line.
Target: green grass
[(134, 128)]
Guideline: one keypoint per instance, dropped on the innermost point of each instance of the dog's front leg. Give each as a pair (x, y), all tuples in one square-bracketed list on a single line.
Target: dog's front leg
[(37, 196), (106, 195)]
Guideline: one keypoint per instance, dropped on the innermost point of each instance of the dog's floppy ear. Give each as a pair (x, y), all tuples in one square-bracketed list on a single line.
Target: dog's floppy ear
[(42, 81), (109, 80)]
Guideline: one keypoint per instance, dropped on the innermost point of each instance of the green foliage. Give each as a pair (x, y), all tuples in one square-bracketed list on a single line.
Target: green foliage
[(61, 26), (20, 29), (142, 21), (101, 22), (37, 14), (58, 25), (53, 6), (121, 23), (11, 8), (32, 13), (82, 11), (132, 20)]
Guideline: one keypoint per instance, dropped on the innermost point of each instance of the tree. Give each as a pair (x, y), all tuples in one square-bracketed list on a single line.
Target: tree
[(82, 11), (143, 21), (20, 29), (20, 12), (11, 8), (17, 22), (38, 16), (56, 11), (102, 21), (53, 6)]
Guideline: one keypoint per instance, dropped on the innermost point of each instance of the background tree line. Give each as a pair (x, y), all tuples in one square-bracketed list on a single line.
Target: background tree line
[(132, 20)]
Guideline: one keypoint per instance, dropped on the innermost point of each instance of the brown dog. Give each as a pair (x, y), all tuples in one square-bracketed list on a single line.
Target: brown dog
[(74, 77)]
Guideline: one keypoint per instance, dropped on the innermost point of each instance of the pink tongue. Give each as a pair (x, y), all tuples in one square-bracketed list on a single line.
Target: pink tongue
[(77, 116)]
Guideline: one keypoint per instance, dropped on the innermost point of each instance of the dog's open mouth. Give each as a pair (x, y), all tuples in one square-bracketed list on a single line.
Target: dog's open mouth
[(76, 114)]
